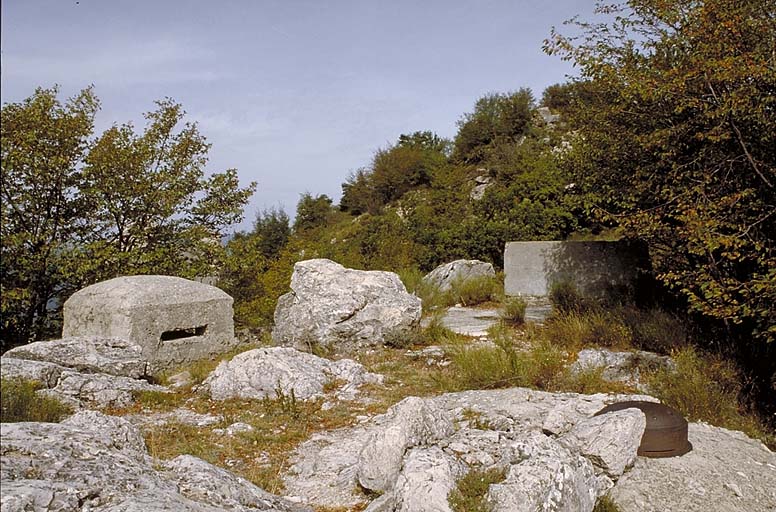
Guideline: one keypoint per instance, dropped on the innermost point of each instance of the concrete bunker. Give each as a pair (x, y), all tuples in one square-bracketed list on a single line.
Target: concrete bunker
[(175, 321), (596, 268)]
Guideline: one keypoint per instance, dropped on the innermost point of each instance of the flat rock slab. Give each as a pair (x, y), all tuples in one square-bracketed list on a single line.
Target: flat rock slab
[(725, 471), (470, 321), (91, 354)]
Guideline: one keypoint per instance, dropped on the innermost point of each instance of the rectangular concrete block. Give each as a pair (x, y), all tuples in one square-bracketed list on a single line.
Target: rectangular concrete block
[(596, 268), (175, 321)]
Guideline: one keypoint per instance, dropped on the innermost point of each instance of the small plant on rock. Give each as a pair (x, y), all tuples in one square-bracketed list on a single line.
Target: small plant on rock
[(514, 311), (472, 490)]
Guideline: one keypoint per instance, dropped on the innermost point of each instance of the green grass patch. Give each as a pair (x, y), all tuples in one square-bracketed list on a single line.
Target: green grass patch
[(476, 290), (606, 504), (514, 311), (20, 402), (573, 329), (707, 388), (471, 492)]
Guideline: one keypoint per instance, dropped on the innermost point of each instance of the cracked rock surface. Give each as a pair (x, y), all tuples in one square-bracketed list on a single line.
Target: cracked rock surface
[(261, 373), (343, 309), (556, 455), (96, 462)]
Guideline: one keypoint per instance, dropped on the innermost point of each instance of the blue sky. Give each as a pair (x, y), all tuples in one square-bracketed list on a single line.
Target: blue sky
[(295, 94)]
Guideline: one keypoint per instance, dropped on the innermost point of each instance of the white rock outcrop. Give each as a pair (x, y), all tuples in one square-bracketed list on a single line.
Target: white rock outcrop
[(445, 275), (75, 388), (96, 462), (91, 354), (544, 475), (343, 309), (261, 373), (610, 441), (725, 471), (412, 422)]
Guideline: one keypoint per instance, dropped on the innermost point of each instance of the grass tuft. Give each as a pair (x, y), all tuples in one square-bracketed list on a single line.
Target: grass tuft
[(606, 504), (707, 388), (472, 490), (476, 290), (20, 402), (514, 311)]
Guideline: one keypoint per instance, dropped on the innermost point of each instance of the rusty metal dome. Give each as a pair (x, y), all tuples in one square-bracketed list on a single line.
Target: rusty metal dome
[(666, 432)]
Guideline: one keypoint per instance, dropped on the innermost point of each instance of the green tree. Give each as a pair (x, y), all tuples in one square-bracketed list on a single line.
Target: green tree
[(679, 141), (153, 208), (312, 212), (75, 211), (497, 118), (272, 229), (43, 144)]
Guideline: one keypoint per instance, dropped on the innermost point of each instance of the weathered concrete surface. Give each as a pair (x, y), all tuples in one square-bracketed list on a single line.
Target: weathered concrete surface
[(725, 471), (175, 321), (595, 267), (96, 462), (343, 309), (445, 275)]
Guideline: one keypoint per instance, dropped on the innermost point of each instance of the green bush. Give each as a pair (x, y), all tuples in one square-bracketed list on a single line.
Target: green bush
[(476, 290), (706, 387), (20, 402), (655, 330), (575, 330), (566, 298), (514, 311)]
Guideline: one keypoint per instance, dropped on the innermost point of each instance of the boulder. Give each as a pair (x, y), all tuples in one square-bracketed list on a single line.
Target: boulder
[(96, 462), (623, 367), (443, 276), (175, 321), (343, 309), (89, 354), (412, 422), (544, 475), (261, 373), (609, 441), (725, 470)]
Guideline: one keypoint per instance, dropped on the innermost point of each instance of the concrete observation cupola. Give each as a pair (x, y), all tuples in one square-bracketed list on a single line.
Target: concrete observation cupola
[(174, 320)]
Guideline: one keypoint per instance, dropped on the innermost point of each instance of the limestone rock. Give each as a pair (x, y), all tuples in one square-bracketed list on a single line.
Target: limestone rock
[(412, 422), (90, 354), (96, 462), (205, 483), (343, 309), (459, 270), (609, 441), (175, 321), (620, 366), (725, 471), (481, 184), (77, 389), (545, 476), (425, 481), (563, 417), (99, 389), (324, 468), (45, 373), (259, 373)]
